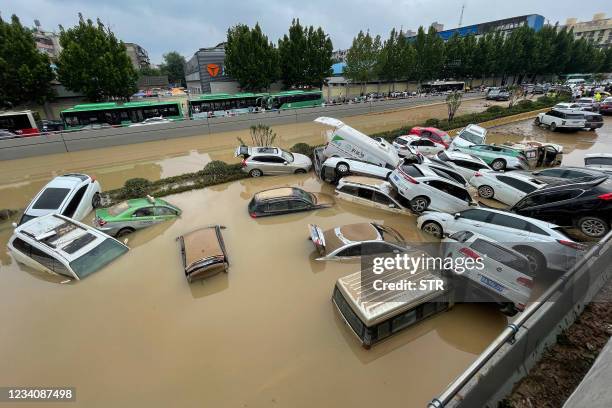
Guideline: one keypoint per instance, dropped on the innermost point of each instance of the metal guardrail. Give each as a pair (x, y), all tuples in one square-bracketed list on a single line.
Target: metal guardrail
[(507, 336)]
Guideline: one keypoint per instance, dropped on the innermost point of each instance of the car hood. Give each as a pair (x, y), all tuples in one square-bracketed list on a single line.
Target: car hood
[(324, 199), (300, 159)]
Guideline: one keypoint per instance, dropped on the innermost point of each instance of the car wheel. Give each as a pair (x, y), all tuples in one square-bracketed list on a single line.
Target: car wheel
[(486, 191), (593, 227), (343, 169), (124, 231), (255, 173), (96, 201), (432, 228), (553, 126), (536, 260), (419, 204), (537, 121), (300, 171), (498, 164)]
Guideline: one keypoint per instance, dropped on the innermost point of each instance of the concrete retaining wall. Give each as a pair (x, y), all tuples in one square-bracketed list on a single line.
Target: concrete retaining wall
[(92, 139), (513, 361)]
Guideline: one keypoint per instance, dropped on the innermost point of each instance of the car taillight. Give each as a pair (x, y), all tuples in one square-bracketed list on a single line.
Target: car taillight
[(470, 253), (408, 178), (526, 282), (571, 244), (605, 197), (101, 222), (243, 163)]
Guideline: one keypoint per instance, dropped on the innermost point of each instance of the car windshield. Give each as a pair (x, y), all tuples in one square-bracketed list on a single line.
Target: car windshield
[(471, 137), (389, 235), (51, 198), (574, 116), (98, 257), (118, 208), (287, 156), (305, 195)]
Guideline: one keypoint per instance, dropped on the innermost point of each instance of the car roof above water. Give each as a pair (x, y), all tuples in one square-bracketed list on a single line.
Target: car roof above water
[(274, 193)]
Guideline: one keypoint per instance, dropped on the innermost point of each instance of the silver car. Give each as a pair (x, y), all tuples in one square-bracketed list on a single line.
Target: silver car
[(260, 161)]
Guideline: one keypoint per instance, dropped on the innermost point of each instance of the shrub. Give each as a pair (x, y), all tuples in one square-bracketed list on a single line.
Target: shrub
[(218, 171), (495, 109), (136, 187), (546, 100), (432, 122), (525, 104), (302, 148), (6, 214)]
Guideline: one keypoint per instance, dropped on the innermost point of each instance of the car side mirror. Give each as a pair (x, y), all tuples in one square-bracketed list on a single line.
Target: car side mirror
[(392, 205), (457, 216), (14, 224), (286, 162)]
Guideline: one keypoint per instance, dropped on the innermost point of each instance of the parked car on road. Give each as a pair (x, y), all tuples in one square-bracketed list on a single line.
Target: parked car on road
[(463, 163), (371, 192), (586, 205), (507, 188), (588, 104), (543, 243), (73, 195), (561, 119), (498, 95), (470, 135), (599, 161), (593, 120), (498, 157), (606, 106), (285, 200), (355, 240), (567, 106), (425, 189), (269, 161), (131, 215), (434, 134), (422, 145), (152, 121), (62, 246), (203, 253)]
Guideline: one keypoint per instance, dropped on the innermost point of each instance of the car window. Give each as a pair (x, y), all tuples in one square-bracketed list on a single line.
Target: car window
[(380, 198), (532, 201), (354, 250), (461, 236), (372, 248), (518, 184), (450, 175), (563, 195), (298, 205), (352, 190), (448, 188), (51, 198), (144, 212), (41, 257), (427, 142), (536, 230), (470, 165), (400, 141), (277, 206), (477, 215), (74, 202), (500, 254), (365, 193), (163, 211), (508, 221), (589, 161), (575, 174), (552, 172)]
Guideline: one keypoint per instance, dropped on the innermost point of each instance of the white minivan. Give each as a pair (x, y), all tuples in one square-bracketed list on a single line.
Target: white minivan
[(469, 136), (344, 141)]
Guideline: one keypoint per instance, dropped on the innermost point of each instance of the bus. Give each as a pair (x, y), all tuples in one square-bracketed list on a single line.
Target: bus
[(293, 100), (443, 86), (22, 123), (92, 115), (220, 104)]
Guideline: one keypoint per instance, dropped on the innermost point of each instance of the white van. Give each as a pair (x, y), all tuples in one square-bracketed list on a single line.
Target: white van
[(344, 141), (469, 136)]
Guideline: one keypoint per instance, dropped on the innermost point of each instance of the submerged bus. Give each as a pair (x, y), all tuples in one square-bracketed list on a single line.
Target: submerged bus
[(22, 123), (92, 115)]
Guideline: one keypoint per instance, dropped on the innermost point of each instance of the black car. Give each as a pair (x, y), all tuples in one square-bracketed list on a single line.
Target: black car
[(558, 174), (586, 205), (593, 120), (51, 125), (286, 200)]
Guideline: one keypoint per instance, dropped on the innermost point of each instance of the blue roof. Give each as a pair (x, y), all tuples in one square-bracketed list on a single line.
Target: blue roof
[(338, 68)]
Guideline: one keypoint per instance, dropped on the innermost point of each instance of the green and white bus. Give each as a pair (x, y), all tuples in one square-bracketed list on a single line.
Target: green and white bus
[(222, 104), (293, 100), (93, 115)]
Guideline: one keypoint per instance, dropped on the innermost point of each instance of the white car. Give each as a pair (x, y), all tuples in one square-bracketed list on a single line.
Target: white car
[(371, 192), (561, 119), (468, 136), (336, 167), (426, 189), (502, 278), (151, 121), (422, 145), (567, 105), (59, 245), (541, 242), (73, 195), (599, 161), (508, 188), (465, 164)]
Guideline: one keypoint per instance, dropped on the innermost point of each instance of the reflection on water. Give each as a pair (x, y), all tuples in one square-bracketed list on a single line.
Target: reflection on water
[(265, 331)]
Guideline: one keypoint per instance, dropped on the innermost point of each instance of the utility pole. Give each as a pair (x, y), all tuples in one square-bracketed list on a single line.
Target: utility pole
[(461, 15)]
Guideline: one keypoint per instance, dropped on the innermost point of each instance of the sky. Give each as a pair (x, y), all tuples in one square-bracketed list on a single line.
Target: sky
[(187, 25)]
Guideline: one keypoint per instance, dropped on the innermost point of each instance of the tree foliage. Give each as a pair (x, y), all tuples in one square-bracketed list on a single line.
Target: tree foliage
[(95, 62), (362, 59), (25, 73), (453, 102), (250, 58), (174, 67)]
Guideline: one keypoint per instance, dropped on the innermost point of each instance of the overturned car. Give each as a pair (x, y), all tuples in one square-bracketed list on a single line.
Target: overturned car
[(203, 253)]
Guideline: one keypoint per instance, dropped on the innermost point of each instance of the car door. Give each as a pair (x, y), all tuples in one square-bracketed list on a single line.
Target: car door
[(384, 202), (507, 229), (474, 220), (427, 147), (269, 164), (143, 217), (296, 205), (514, 189), (447, 197), (546, 118), (163, 213), (277, 207)]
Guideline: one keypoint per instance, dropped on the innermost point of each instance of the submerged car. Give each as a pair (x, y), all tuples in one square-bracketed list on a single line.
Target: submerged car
[(73, 195), (371, 192), (507, 188), (434, 134), (422, 145), (268, 161), (131, 215), (498, 157), (355, 240), (539, 154), (286, 200), (59, 245), (203, 253), (561, 119)]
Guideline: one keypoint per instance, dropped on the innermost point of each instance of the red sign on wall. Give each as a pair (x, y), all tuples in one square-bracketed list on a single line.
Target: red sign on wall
[(213, 69)]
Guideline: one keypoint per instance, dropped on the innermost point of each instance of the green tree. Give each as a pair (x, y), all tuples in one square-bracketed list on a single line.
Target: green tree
[(25, 73), (250, 58), (174, 67), (430, 54), (407, 58), (149, 71), (319, 61), (453, 102), (390, 58), (362, 58), (93, 61)]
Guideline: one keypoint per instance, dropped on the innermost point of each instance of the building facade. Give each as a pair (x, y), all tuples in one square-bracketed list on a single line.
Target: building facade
[(205, 72), (138, 55), (47, 42), (598, 30), (505, 26)]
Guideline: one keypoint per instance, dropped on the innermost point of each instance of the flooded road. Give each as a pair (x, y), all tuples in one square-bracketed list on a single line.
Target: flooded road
[(137, 334)]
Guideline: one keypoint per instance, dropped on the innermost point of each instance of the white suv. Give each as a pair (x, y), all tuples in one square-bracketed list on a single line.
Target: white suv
[(426, 189), (59, 245), (561, 119)]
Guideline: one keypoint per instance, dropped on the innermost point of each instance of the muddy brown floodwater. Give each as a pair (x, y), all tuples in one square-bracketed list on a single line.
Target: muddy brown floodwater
[(266, 334)]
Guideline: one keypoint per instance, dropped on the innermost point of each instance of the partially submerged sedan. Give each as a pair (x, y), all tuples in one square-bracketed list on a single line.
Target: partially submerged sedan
[(286, 200), (203, 253), (268, 161), (355, 240), (131, 215)]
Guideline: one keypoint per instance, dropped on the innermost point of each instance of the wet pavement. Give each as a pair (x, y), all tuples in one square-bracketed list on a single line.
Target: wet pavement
[(266, 334)]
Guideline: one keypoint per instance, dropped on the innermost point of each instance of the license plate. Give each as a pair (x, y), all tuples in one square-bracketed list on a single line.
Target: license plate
[(491, 283), (395, 177)]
